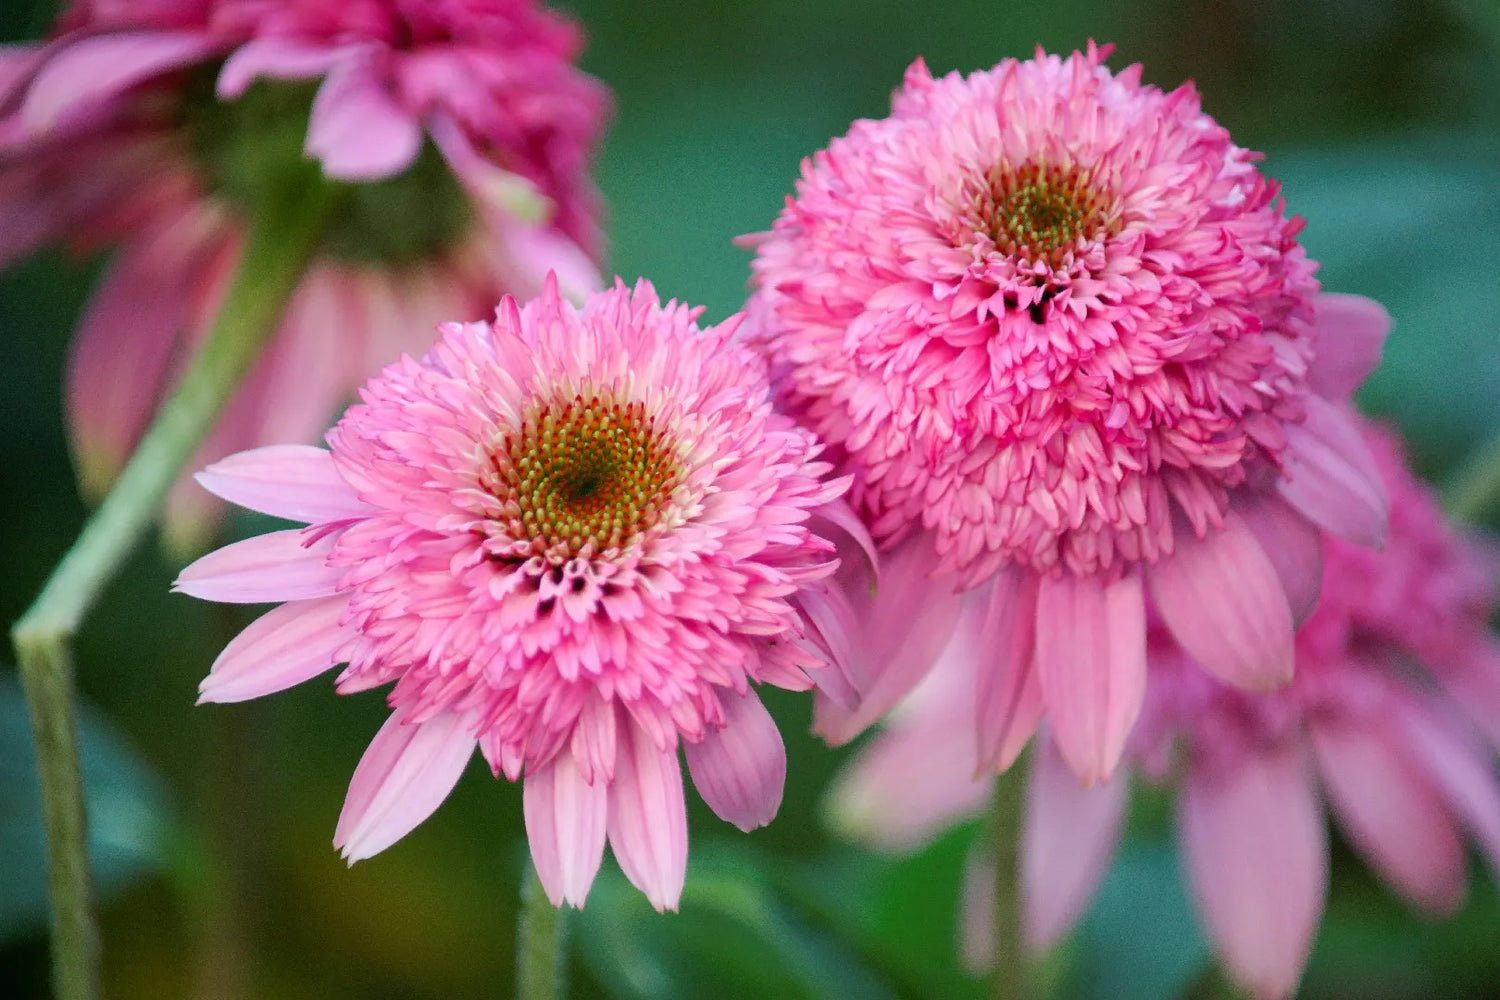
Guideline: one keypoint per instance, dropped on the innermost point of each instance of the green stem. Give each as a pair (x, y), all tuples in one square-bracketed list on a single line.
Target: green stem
[(1471, 493), (1010, 979), (541, 943), (278, 248)]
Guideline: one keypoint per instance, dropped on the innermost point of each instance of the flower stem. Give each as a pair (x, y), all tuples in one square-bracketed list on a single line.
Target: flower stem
[(1010, 979), (279, 245), (541, 943), (1472, 491)]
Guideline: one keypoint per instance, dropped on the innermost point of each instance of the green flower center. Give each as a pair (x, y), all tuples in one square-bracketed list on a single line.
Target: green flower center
[(1038, 211), (251, 148), (585, 475)]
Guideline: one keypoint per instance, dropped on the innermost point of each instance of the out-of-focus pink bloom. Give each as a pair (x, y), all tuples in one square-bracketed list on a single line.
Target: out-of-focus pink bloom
[(1064, 338), (1397, 680), (569, 537), (458, 131)]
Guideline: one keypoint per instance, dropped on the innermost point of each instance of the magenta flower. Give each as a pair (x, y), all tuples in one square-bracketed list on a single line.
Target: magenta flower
[(460, 133), (1373, 721), (570, 537), (1065, 340)]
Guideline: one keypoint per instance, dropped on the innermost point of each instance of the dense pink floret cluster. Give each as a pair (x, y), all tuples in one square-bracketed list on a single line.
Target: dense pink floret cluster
[(571, 537), (1042, 307)]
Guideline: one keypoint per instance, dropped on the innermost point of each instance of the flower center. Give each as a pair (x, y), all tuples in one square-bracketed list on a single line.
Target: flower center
[(585, 475), (249, 150), (1038, 211)]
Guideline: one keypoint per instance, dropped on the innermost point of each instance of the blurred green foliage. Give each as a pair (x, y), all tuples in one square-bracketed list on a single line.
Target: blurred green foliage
[(1378, 115)]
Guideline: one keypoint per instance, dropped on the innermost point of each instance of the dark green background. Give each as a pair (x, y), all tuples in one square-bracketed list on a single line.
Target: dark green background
[(214, 824)]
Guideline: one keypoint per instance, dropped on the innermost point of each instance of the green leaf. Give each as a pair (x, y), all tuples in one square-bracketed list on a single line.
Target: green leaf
[(128, 816)]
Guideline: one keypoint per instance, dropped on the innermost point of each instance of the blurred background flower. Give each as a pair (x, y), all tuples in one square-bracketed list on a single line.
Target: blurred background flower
[(1378, 118)]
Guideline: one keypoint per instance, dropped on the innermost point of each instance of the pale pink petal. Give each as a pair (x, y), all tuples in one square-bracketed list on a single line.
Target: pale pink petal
[(833, 629), (94, 70), (1475, 687), (1257, 859), (294, 481), (518, 208), (837, 523), (1091, 662), (1348, 334), (357, 128), (740, 769), (1009, 697), (648, 818), (283, 647), (1293, 544), (277, 566), (1067, 844), (1392, 813), (1223, 600), (1460, 768), (565, 826), (279, 59), (404, 775), (1331, 477)]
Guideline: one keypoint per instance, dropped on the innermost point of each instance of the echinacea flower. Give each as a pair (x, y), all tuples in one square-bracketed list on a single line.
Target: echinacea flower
[(454, 135), (572, 538), (1056, 325), (1371, 723)]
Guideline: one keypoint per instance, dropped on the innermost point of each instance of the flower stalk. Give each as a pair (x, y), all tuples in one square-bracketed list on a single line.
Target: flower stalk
[(1010, 979), (541, 943), (278, 247)]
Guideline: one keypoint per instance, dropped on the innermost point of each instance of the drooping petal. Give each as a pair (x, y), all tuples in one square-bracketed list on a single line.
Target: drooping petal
[(358, 129), (1293, 544), (1257, 859), (565, 825), (1331, 477), (297, 482), (1460, 767), (1223, 600), (279, 59), (1091, 663), (833, 628), (278, 566), (1391, 812), (1009, 697), (285, 646), (404, 775), (1067, 844), (648, 818), (740, 769), (94, 70), (1349, 332)]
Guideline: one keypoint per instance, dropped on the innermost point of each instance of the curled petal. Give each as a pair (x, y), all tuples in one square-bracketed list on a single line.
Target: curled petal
[(565, 826), (283, 647), (648, 818), (740, 769)]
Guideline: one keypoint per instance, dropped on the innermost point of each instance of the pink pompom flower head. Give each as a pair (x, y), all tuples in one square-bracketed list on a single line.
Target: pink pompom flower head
[(571, 537), (1058, 328), (1393, 719), (457, 134)]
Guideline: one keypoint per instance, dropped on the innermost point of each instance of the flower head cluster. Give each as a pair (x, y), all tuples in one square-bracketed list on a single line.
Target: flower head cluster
[(572, 538), (454, 138), (1062, 334), (1391, 715)]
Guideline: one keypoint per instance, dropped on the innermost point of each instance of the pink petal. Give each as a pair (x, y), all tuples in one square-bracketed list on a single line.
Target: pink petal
[(95, 70), (1293, 544), (279, 566), (1009, 702), (565, 824), (837, 523), (1222, 598), (279, 59), (740, 769), (357, 129), (648, 818), (1067, 844), (1331, 477), (1392, 813), (1474, 685), (1460, 768), (1349, 332), (1257, 858), (283, 647), (1091, 662), (297, 482), (833, 629), (404, 775)]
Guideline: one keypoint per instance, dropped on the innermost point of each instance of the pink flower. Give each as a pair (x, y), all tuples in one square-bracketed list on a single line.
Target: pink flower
[(569, 537), (1373, 722), (459, 134), (1065, 340)]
